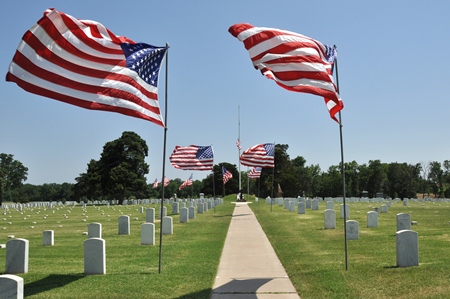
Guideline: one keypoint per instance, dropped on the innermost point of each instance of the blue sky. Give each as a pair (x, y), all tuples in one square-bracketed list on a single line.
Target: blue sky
[(393, 79)]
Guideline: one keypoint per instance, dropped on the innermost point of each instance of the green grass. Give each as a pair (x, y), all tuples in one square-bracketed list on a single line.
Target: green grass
[(190, 257), (314, 258)]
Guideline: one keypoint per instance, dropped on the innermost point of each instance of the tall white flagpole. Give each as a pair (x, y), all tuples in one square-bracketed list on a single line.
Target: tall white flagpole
[(239, 149)]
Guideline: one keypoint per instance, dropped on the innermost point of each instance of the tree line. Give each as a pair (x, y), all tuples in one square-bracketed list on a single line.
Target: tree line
[(120, 174)]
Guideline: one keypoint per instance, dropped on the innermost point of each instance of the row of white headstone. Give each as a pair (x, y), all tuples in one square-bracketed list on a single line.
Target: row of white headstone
[(407, 244)]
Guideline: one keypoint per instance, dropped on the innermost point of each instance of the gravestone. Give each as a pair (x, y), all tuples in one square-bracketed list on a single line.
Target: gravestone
[(167, 226), (17, 256), (407, 248), (150, 215), (164, 212), (372, 219), (352, 230), (47, 238), (301, 208), (403, 221), (175, 208), (291, 206), (148, 234), (330, 205), (405, 202), (184, 215), (384, 208), (191, 212), (95, 230), (94, 256), (11, 286), (330, 219), (347, 211), (315, 204), (200, 208), (308, 203), (124, 225)]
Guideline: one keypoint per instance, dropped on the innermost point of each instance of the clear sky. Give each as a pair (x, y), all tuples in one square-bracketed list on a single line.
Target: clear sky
[(393, 79)]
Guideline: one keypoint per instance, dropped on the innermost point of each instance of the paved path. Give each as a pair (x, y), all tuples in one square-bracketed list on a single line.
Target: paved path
[(249, 267)]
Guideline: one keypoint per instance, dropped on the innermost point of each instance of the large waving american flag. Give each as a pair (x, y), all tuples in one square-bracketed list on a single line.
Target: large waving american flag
[(260, 155), (294, 61), (226, 175), (81, 62), (192, 157), (255, 173), (186, 183)]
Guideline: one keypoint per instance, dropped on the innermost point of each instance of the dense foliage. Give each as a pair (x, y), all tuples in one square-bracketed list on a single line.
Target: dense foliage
[(120, 173)]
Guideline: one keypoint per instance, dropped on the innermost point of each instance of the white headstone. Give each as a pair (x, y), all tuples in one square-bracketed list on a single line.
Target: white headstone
[(315, 204), (95, 230), (175, 208), (352, 229), (330, 205), (184, 215), (150, 215), (403, 221), (167, 226), (191, 212), (308, 203), (94, 256), (124, 225), (330, 218), (200, 208), (407, 248), (11, 287), (164, 212), (347, 211), (384, 208), (17, 256), (47, 238), (148, 234), (372, 219)]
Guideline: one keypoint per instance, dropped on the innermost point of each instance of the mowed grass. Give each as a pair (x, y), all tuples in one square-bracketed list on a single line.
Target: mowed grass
[(190, 257), (314, 257)]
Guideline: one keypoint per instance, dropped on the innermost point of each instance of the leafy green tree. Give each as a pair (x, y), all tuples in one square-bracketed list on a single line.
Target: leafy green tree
[(436, 177), (12, 174), (214, 182)]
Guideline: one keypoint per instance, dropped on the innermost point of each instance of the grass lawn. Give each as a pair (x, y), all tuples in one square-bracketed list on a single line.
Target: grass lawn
[(190, 257), (314, 257)]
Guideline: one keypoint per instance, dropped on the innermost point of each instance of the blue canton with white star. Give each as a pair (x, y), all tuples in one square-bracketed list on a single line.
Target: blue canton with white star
[(270, 149), (145, 60), (204, 152)]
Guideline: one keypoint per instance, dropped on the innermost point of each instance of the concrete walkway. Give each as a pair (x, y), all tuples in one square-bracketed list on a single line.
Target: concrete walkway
[(249, 267)]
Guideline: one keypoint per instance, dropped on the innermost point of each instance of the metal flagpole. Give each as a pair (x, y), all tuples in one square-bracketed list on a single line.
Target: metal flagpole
[(239, 150), (163, 163), (343, 172)]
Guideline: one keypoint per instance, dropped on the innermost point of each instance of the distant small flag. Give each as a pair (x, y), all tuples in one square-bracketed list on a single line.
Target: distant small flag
[(192, 157), (155, 183), (226, 175), (166, 182), (238, 144), (186, 183), (255, 173), (260, 155), (294, 61), (81, 62)]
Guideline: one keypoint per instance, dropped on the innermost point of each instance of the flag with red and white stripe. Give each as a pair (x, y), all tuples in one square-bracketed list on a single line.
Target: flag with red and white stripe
[(81, 62), (186, 183), (260, 155), (294, 61)]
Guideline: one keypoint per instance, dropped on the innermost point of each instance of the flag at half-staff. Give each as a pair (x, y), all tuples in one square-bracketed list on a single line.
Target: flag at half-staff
[(155, 183), (186, 183), (81, 62), (192, 157), (260, 155), (166, 182), (294, 61), (226, 175), (255, 173)]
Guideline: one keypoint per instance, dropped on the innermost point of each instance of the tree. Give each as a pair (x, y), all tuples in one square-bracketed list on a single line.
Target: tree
[(214, 182), (119, 173), (12, 175), (436, 177)]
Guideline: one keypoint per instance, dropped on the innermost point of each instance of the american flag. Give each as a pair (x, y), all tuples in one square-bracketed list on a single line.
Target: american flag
[(166, 182), (186, 183), (255, 173), (192, 157), (260, 155), (226, 175), (238, 144), (81, 62), (294, 61), (155, 183)]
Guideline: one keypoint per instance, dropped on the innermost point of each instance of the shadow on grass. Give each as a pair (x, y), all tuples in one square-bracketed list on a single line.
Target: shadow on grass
[(203, 294), (240, 287), (50, 282)]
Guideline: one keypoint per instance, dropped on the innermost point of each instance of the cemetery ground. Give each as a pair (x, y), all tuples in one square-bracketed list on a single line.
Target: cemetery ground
[(190, 256), (313, 257)]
